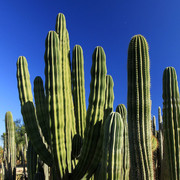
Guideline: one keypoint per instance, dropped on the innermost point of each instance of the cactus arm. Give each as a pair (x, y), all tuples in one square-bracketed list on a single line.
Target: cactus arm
[(78, 89), (121, 109), (95, 113), (23, 79), (112, 158), (35, 135), (41, 108), (25, 95), (109, 96)]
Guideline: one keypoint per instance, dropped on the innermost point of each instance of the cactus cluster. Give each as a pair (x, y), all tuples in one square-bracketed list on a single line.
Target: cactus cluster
[(96, 143)]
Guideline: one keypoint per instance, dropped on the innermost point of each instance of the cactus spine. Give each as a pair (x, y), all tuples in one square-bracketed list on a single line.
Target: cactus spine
[(171, 121), (139, 109), (121, 109)]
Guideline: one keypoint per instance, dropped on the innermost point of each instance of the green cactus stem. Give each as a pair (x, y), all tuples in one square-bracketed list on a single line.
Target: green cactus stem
[(112, 159), (139, 109), (78, 89), (121, 109), (109, 96), (29, 113), (31, 161), (41, 108), (171, 121), (93, 140), (11, 151)]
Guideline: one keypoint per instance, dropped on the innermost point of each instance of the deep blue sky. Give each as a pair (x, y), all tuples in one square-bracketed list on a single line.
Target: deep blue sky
[(25, 24)]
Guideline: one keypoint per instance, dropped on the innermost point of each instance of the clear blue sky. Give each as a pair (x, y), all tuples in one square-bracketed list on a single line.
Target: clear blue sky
[(25, 24)]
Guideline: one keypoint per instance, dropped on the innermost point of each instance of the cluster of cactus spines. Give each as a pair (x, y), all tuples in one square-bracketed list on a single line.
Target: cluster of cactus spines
[(10, 145), (109, 96), (171, 121), (31, 161), (41, 111), (93, 140), (121, 109), (29, 113), (78, 89), (112, 159), (139, 109)]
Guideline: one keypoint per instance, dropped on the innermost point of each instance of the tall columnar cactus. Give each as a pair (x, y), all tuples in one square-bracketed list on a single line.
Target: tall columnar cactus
[(31, 161), (171, 121), (139, 109), (160, 149), (91, 149), (112, 156), (78, 89), (121, 109), (160, 134), (59, 99), (109, 96), (29, 113), (10, 141), (41, 111), (154, 126)]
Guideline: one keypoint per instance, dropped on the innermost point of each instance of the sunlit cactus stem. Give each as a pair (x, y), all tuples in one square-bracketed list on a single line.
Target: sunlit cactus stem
[(78, 89), (171, 121), (112, 156), (29, 112), (109, 96), (10, 145), (93, 141), (139, 109), (121, 109)]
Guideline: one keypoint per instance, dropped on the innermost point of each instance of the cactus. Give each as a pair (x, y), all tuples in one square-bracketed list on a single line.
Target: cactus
[(112, 159), (139, 109), (31, 161), (154, 126), (160, 149), (58, 101), (10, 145), (78, 89), (121, 109), (40, 101), (93, 138), (109, 96), (28, 111), (171, 121)]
